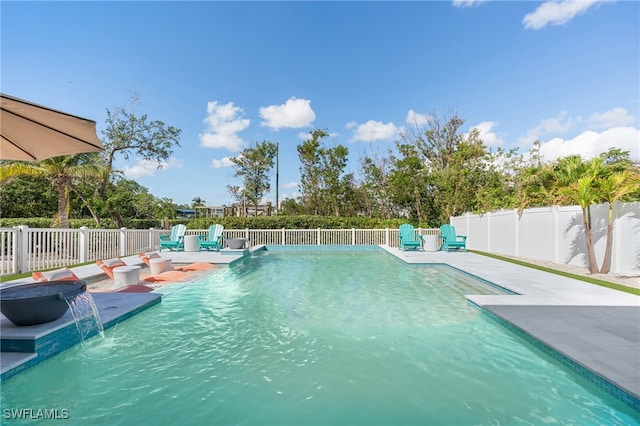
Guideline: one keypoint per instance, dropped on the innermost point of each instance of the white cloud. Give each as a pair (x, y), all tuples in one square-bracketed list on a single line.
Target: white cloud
[(467, 3), (303, 136), (487, 134), (616, 117), (557, 12), (555, 125), (224, 122), (221, 163), (590, 144), (372, 131), (149, 168), (294, 114), (289, 185), (294, 196), (417, 120)]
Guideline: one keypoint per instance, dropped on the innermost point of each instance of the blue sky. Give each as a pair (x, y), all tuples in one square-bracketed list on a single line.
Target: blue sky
[(230, 74)]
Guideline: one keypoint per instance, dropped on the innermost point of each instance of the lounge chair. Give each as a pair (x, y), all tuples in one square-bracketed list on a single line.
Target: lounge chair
[(196, 266), (408, 238), (213, 240), (450, 240), (63, 274), (174, 240), (168, 276)]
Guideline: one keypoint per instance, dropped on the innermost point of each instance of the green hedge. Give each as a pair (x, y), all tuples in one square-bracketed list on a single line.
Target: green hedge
[(298, 222), (41, 222), (260, 222)]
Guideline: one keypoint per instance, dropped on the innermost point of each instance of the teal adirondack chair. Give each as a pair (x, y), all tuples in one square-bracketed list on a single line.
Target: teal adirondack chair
[(174, 240), (450, 240), (408, 237), (213, 239)]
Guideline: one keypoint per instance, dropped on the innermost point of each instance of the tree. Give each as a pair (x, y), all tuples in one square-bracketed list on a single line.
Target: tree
[(621, 182), (27, 196), (126, 198), (534, 181), (197, 202), (309, 155), (409, 187), (324, 185), (62, 172), (441, 169), (576, 183), (336, 185), (253, 165), (127, 134), (239, 196), (374, 186)]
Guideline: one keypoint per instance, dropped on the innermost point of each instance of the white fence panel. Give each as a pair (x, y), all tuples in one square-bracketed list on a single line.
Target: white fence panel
[(265, 236), (570, 245), (300, 236), (103, 244), (626, 239), (477, 236), (8, 248), (502, 231), (535, 234), (556, 234)]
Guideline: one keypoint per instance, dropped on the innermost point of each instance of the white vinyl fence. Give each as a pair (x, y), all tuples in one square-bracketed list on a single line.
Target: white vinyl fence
[(556, 234), (25, 249)]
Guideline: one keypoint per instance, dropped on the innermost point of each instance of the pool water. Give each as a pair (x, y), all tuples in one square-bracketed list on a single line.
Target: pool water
[(327, 338)]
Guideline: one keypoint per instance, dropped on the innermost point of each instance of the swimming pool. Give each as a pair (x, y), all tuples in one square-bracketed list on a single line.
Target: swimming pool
[(314, 338)]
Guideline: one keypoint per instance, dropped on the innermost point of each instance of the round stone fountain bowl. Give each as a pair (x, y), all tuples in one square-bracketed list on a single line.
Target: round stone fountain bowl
[(38, 303)]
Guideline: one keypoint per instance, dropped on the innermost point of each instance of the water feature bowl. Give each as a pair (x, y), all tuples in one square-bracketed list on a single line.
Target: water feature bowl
[(236, 243), (38, 303)]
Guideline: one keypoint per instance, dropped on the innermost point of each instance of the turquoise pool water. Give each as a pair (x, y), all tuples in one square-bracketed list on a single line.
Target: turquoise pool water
[(313, 338)]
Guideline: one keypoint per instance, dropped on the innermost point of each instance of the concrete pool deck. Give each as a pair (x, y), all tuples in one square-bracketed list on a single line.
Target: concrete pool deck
[(595, 327)]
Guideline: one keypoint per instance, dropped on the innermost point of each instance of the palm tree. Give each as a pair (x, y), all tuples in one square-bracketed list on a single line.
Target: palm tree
[(616, 186), (197, 202), (62, 172), (576, 183)]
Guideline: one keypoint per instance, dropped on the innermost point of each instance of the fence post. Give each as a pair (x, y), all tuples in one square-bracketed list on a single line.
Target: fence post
[(282, 237), (22, 248), (469, 237), (386, 236), (556, 234), (489, 232), (353, 236), (616, 250), (83, 244), (150, 244), (317, 236), (516, 249), (123, 242)]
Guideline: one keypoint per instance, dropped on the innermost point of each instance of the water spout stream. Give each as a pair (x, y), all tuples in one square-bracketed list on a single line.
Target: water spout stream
[(86, 314)]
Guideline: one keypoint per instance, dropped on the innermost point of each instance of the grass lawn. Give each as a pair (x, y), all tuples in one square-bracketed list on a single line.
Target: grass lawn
[(590, 280)]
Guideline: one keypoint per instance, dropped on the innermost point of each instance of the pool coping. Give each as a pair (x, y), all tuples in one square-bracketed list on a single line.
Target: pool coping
[(595, 328)]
